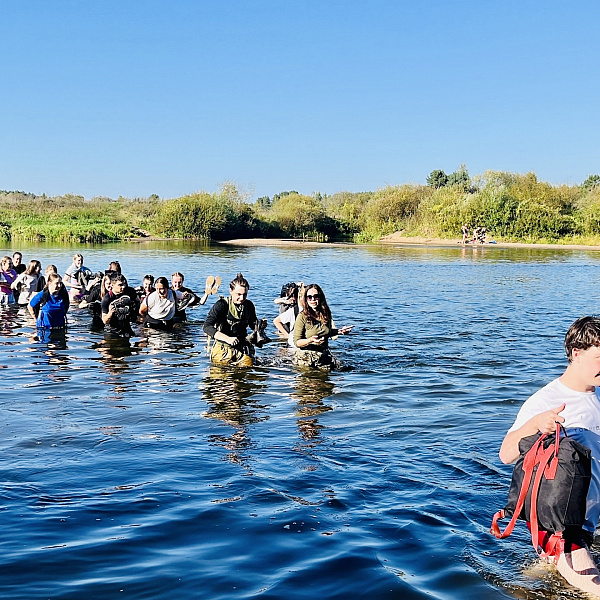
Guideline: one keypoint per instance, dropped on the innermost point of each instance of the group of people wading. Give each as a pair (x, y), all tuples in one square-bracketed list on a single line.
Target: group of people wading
[(159, 304)]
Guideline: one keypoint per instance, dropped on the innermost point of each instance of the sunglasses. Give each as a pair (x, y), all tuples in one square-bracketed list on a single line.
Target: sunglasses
[(313, 297)]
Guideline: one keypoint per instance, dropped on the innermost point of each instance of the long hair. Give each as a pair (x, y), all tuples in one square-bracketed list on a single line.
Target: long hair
[(322, 314), (239, 280), (32, 266)]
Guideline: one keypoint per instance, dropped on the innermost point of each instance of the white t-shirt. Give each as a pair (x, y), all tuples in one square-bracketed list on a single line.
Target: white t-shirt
[(162, 308), (288, 317), (582, 423), (29, 287)]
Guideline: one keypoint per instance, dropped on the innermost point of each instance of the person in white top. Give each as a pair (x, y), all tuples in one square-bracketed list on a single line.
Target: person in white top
[(158, 307), (29, 282), (573, 400)]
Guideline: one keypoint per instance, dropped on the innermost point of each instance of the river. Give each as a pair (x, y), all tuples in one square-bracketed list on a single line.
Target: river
[(139, 471)]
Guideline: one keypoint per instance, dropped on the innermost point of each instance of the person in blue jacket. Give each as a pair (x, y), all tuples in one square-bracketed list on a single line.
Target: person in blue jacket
[(50, 306)]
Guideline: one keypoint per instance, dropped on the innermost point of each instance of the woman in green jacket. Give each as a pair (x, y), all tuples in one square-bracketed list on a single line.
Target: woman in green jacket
[(313, 329)]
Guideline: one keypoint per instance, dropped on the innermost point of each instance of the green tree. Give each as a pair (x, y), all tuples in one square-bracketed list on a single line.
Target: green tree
[(437, 179), (591, 182)]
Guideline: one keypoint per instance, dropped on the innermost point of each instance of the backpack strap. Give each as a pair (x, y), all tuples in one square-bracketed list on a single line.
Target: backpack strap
[(547, 464), (529, 463), (544, 468)]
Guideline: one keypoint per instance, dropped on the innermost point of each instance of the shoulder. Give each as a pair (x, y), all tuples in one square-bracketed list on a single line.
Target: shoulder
[(37, 299), (550, 396)]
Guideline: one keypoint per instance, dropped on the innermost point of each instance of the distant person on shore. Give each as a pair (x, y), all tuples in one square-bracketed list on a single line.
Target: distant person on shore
[(573, 400), (465, 234), (313, 329), (482, 235), (227, 323), (51, 305), (7, 278)]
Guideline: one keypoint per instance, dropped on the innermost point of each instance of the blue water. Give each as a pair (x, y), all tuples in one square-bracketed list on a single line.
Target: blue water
[(139, 471)]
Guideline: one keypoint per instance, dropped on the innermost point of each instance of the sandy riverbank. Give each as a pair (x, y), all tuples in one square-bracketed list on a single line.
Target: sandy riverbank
[(400, 240)]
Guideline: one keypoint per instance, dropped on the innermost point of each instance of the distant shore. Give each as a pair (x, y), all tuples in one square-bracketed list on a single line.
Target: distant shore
[(396, 238)]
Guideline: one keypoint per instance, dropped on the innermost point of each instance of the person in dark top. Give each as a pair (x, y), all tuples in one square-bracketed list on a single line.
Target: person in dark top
[(18, 265), (117, 308), (228, 322), (190, 300)]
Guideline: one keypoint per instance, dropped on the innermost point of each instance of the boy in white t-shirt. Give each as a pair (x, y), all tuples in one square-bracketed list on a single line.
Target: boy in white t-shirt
[(573, 400)]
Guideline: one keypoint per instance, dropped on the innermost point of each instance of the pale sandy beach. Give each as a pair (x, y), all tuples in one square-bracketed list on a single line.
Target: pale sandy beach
[(396, 238)]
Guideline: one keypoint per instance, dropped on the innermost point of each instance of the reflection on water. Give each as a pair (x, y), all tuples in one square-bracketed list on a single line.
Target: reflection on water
[(134, 468), (228, 393)]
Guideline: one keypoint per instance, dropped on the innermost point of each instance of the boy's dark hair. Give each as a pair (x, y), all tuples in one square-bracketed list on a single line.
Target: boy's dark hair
[(289, 290), (583, 334), (118, 277)]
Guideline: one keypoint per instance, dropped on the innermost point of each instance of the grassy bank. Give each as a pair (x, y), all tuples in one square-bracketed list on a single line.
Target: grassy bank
[(513, 207)]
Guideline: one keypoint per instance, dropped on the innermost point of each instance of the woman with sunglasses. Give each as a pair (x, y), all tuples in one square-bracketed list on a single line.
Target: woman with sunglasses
[(313, 329)]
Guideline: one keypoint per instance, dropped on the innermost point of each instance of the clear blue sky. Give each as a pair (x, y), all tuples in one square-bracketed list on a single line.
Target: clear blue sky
[(125, 97)]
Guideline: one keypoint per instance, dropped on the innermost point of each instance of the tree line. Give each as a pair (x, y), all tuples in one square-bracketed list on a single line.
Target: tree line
[(511, 206)]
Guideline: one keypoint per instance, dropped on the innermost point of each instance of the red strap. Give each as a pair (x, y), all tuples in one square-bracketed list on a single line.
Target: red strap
[(544, 459), (555, 547), (529, 463)]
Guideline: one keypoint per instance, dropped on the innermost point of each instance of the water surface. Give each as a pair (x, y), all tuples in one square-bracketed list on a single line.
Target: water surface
[(140, 471)]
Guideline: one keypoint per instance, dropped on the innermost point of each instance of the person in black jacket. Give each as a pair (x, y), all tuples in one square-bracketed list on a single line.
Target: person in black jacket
[(228, 322)]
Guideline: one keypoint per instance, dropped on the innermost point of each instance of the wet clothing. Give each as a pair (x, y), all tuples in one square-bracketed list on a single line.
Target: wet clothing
[(180, 315), (304, 329), (28, 286), (161, 311), (120, 321), (79, 276), (314, 355), (51, 309), (582, 423), (229, 355), (232, 320), (288, 320), (6, 293), (221, 318)]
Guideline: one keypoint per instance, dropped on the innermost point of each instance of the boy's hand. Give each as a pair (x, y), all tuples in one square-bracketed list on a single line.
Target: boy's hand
[(546, 421)]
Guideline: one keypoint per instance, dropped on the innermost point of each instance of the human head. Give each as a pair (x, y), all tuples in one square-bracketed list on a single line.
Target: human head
[(177, 280), (290, 291), (238, 289), (34, 266), (54, 283), (78, 259), (115, 266), (148, 282), (583, 334), (51, 269), (118, 283), (17, 257), (162, 286), (314, 303), (6, 263)]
